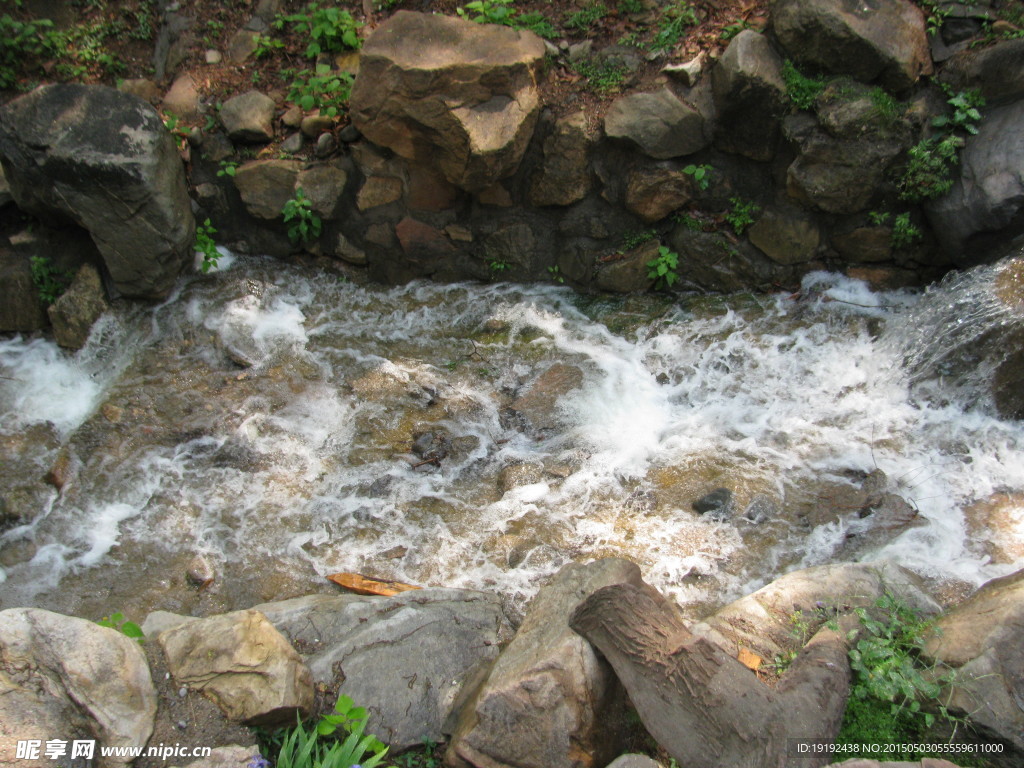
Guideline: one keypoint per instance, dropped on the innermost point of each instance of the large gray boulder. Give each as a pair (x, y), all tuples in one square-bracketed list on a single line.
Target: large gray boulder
[(241, 662), (409, 659), (750, 95), (658, 123), (463, 98), (981, 639), (985, 207), (55, 668), (104, 160), (549, 701), (882, 39)]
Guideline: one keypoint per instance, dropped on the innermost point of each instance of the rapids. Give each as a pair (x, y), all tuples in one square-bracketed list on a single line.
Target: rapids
[(267, 416)]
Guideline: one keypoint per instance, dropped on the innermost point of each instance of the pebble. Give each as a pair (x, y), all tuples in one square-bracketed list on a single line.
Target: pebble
[(183, 692), (214, 57)]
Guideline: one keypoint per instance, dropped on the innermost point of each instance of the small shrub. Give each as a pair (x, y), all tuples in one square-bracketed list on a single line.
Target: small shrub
[(741, 215), (929, 168), (672, 26), (322, 89), (583, 19), (206, 246), (302, 749), (50, 283), (966, 114), (878, 218), (537, 23), (701, 175), (20, 41), (904, 234), (662, 268), (488, 12), (303, 224), (331, 29), (266, 45), (802, 90)]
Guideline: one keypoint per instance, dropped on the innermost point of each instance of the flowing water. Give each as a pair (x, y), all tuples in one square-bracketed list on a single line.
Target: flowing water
[(288, 425)]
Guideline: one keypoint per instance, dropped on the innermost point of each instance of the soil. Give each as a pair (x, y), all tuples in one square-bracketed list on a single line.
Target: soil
[(127, 33)]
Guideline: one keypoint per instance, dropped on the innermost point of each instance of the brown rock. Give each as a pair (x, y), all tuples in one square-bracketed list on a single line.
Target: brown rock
[(786, 237), (377, 191), (183, 98), (323, 184), (864, 244), (539, 404), (81, 305), (564, 176), (418, 238), (464, 98), (653, 192), (266, 185), (429, 190)]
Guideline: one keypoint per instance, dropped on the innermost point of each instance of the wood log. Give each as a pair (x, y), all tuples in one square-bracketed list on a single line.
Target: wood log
[(362, 585), (699, 702)]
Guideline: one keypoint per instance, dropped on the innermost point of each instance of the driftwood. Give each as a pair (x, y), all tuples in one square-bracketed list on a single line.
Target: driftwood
[(698, 701)]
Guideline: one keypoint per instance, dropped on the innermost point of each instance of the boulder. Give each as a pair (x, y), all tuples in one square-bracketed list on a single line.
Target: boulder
[(980, 639), (73, 314), (182, 100), (786, 236), (410, 659), (653, 192), (266, 185), (998, 71), (883, 40), (104, 160), (463, 99), (839, 175), (715, 261), (323, 185), (629, 273), (564, 176), (985, 207), (377, 191), (243, 664), (658, 123), (93, 677), (249, 118), (749, 95), (549, 701)]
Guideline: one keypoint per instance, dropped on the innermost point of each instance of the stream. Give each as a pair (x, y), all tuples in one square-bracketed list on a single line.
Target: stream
[(286, 424)]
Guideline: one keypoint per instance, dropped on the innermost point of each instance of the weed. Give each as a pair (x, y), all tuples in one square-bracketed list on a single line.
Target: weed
[(583, 19), (631, 6), (266, 45), (935, 15), (929, 168), (672, 26), (20, 41), (878, 218), (890, 681), (692, 223), (206, 246), (50, 283), (801, 89), (729, 31), (602, 76), (555, 274), (887, 107), (179, 132), (662, 268), (904, 234), (741, 215), (966, 114), (322, 89), (302, 749), (537, 23), (632, 239), (426, 756), (701, 175), (228, 168), (488, 12), (305, 225), (497, 266), (126, 628), (331, 29)]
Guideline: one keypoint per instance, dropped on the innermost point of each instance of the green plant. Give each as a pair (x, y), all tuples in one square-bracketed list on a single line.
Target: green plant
[(631, 6), (331, 29), (305, 225), (555, 274), (206, 246), (935, 15), (672, 25), (701, 175), (632, 239), (689, 221), (603, 76), (497, 266), (878, 218), (929, 167), (890, 680), (583, 19), (741, 215), (126, 628), (322, 89), (887, 107), (662, 268), (801, 89), (302, 749), (488, 11), (227, 168), (179, 132), (50, 283), (904, 233), (20, 41), (266, 45), (966, 114), (729, 31), (536, 22)]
